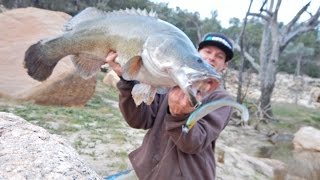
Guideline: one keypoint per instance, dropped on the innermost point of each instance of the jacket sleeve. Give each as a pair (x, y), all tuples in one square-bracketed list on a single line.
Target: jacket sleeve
[(140, 117), (203, 133)]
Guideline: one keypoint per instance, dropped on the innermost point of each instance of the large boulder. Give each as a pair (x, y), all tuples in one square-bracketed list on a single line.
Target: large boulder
[(68, 89), (20, 28), (307, 138), (305, 164), (306, 153), (30, 152)]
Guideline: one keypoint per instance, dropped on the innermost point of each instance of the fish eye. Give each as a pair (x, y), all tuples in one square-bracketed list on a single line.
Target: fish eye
[(199, 61)]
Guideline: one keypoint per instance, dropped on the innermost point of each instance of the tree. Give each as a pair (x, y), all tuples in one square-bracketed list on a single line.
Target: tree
[(211, 24), (298, 54), (275, 38), (241, 39), (305, 46)]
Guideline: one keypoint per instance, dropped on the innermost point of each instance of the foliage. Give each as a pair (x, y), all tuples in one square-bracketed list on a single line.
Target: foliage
[(308, 54), (211, 24), (312, 69), (251, 42)]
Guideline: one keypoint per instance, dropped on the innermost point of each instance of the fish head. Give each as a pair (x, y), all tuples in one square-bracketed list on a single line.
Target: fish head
[(197, 79), (177, 57)]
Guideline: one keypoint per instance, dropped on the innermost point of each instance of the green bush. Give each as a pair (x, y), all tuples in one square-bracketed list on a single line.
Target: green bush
[(312, 69)]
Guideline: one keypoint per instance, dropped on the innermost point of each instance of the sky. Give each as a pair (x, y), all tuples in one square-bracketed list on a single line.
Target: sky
[(237, 8)]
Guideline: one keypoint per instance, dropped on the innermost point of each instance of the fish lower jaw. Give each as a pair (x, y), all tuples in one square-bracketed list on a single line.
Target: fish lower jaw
[(200, 89)]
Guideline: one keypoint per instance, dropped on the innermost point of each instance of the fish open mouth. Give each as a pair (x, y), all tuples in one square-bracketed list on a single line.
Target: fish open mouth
[(200, 89), (196, 84)]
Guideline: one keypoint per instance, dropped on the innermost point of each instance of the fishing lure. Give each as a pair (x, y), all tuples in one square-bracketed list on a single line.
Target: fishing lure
[(205, 109)]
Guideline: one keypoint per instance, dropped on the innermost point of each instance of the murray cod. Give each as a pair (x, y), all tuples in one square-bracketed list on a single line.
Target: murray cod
[(151, 51)]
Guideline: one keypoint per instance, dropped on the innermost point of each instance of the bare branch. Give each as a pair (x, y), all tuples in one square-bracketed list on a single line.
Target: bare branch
[(269, 13), (292, 35), (248, 56), (308, 25), (277, 7), (262, 9), (242, 34), (294, 20), (259, 15), (263, 4), (314, 20)]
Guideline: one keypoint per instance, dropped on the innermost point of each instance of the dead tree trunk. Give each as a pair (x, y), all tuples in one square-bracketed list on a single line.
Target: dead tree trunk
[(269, 55), (274, 40)]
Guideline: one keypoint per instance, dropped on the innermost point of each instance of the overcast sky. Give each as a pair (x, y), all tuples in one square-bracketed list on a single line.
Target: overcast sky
[(237, 8)]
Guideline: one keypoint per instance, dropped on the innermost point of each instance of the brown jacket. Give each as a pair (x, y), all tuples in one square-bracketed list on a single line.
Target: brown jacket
[(166, 153)]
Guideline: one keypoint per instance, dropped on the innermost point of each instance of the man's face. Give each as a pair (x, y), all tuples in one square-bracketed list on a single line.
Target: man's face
[(214, 56)]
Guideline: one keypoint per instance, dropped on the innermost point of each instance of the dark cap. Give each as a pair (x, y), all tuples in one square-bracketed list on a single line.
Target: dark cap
[(220, 41)]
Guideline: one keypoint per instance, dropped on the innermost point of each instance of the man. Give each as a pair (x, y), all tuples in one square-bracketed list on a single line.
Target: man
[(166, 153)]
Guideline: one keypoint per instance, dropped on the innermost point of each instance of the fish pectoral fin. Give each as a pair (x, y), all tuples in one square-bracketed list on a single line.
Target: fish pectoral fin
[(87, 66), (143, 93), (162, 90), (131, 69)]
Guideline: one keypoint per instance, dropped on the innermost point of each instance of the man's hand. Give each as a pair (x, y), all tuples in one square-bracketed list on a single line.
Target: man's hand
[(179, 103), (110, 59)]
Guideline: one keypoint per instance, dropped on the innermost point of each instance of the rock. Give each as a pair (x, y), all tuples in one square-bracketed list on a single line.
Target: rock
[(306, 164), (306, 153), (30, 152), (238, 155), (315, 96), (307, 138), (280, 169), (68, 89), (288, 88), (278, 138), (20, 28), (233, 164)]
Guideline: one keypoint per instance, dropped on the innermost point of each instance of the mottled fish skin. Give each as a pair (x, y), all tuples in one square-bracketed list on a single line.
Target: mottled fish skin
[(149, 50)]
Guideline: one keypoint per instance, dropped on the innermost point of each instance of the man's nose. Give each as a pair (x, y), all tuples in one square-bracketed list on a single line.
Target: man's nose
[(211, 60)]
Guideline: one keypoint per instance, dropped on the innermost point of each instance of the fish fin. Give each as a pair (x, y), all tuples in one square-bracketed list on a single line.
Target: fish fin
[(133, 12), (143, 93), (92, 13), (38, 62), (87, 14), (162, 90), (87, 66), (131, 68)]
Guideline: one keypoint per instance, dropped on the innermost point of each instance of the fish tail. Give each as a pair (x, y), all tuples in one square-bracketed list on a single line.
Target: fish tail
[(40, 62)]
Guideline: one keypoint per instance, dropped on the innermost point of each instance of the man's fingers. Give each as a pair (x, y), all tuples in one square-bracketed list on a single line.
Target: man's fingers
[(111, 57), (179, 102)]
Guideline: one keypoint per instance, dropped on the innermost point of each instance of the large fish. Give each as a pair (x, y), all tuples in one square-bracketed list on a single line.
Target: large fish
[(150, 50)]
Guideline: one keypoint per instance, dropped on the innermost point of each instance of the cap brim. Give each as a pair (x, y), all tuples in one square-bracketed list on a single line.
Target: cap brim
[(224, 48)]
